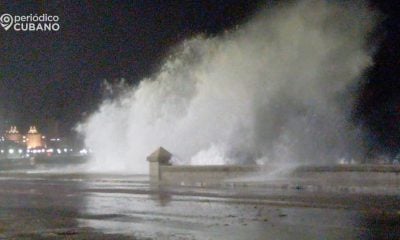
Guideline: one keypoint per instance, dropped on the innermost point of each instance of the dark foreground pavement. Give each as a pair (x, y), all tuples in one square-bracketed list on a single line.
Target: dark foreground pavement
[(36, 205)]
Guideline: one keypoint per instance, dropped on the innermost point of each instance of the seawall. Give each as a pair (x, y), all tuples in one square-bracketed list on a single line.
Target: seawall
[(162, 172)]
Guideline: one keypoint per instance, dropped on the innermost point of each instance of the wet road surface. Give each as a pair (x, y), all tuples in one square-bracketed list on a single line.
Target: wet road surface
[(37, 205)]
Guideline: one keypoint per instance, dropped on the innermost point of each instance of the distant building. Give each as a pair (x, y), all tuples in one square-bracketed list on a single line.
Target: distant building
[(13, 144), (34, 139), (13, 135)]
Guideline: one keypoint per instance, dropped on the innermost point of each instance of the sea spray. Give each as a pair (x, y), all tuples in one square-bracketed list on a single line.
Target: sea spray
[(274, 89)]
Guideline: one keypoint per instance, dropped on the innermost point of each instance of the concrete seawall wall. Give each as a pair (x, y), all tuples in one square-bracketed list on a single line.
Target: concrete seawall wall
[(162, 172), (202, 175)]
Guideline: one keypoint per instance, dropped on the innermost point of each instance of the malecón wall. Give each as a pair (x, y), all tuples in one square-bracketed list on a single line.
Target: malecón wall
[(203, 175), (163, 173)]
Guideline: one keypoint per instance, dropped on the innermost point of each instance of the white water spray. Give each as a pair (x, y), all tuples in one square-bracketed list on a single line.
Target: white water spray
[(275, 89)]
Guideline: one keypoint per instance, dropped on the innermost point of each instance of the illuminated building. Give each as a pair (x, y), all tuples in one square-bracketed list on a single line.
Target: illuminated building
[(34, 139), (13, 135), (32, 144)]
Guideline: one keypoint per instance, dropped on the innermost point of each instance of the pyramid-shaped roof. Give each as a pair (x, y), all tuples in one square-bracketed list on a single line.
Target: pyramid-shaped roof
[(160, 155)]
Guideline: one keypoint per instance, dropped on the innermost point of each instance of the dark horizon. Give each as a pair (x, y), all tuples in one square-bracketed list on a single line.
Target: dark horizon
[(56, 77)]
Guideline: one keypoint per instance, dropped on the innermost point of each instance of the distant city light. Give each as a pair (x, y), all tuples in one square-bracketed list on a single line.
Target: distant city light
[(83, 151), (32, 144)]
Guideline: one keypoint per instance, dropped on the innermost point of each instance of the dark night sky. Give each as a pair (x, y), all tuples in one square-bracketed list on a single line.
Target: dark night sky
[(48, 76), (58, 75)]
